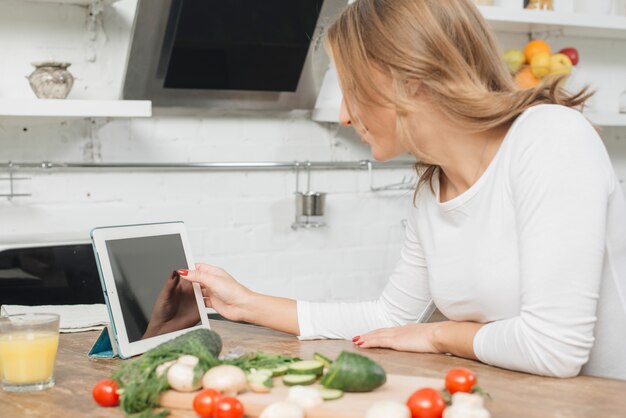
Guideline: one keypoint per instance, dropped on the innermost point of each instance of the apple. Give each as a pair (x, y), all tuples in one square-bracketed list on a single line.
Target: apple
[(560, 64), (514, 59), (540, 64), (572, 54)]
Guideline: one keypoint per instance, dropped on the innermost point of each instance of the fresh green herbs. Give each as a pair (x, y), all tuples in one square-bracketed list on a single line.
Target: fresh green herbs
[(260, 360)]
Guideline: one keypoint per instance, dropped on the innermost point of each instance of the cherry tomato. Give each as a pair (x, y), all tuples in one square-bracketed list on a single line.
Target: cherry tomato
[(228, 407), (426, 403), (105, 393), (205, 402), (460, 380)]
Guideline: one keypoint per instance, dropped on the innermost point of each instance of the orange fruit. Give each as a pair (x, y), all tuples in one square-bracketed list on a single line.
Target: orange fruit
[(535, 46), (525, 79)]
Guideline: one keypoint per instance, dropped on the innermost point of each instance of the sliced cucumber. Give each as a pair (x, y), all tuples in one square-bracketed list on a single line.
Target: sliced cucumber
[(323, 359), (330, 394), (299, 379), (306, 367), (279, 370), (262, 378)]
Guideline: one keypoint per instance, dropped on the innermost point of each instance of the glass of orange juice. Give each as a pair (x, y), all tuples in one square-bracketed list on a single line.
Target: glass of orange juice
[(28, 349)]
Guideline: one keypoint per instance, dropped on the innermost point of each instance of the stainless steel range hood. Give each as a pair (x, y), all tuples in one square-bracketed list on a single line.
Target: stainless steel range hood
[(233, 54)]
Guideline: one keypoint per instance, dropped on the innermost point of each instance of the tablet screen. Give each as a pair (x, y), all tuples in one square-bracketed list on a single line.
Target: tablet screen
[(153, 298)]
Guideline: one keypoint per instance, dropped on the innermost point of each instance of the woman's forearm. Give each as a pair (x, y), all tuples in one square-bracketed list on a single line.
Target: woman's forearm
[(273, 312), (456, 338)]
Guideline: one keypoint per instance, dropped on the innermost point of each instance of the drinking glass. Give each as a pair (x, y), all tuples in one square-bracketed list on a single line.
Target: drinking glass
[(28, 349)]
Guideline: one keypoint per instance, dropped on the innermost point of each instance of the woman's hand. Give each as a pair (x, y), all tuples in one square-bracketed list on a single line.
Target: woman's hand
[(220, 291), (437, 337), (418, 338)]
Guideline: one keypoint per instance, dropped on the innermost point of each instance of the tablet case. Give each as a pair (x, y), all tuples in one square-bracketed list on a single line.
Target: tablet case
[(105, 346)]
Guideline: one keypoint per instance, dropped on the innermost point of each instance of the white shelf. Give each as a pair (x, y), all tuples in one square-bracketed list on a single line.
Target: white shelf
[(505, 19), (76, 108), (607, 119)]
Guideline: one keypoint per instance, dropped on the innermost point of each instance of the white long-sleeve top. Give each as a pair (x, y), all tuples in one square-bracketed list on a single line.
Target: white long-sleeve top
[(535, 249)]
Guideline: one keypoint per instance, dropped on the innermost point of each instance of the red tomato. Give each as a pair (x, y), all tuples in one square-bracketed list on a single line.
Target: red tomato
[(205, 402), (228, 407), (460, 380), (105, 393), (426, 403)]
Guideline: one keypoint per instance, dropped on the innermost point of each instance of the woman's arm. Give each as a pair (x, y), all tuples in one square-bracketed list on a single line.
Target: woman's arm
[(406, 298)]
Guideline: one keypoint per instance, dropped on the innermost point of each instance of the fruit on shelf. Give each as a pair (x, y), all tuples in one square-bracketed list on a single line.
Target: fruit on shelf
[(560, 64), (525, 79), (540, 64), (534, 47), (514, 59), (572, 54)]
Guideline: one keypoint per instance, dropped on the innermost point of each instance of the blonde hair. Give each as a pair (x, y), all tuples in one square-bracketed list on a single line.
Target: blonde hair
[(449, 48)]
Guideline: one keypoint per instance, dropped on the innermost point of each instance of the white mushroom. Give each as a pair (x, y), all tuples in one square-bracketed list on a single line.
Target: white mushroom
[(181, 374), (229, 380), (304, 396), (388, 409), (466, 405), (283, 409)]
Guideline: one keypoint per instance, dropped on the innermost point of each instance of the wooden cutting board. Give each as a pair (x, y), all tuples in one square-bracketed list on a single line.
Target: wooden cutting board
[(351, 405)]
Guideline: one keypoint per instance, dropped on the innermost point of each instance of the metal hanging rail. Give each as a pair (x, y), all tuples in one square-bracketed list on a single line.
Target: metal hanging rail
[(215, 166), (12, 167)]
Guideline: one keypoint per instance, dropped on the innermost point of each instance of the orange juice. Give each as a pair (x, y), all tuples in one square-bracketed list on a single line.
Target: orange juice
[(28, 356)]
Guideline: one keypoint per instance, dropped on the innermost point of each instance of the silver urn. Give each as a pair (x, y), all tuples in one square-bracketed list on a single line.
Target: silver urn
[(51, 80)]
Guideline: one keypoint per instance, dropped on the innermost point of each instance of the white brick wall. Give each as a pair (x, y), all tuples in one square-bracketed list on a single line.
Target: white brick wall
[(237, 220)]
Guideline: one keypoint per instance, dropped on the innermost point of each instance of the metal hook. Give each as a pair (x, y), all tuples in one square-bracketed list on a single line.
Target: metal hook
[(308, 176)]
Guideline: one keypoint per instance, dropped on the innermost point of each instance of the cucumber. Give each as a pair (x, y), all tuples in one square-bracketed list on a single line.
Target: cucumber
[(306, 367), (261, 378), (323, 359), (353, 372), (330, 394), (299, 379), (279, 370)]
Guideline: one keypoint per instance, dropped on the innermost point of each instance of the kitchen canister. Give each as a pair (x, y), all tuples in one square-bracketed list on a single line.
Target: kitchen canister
[(594, 7)]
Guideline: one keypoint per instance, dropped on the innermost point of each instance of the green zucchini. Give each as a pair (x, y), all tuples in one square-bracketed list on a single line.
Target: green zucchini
[(323, 359), (353, 372), (330, 394), (306, 367), (299, 379)]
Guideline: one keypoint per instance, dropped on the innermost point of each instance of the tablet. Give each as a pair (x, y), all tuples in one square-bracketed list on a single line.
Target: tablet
[(148, 302)]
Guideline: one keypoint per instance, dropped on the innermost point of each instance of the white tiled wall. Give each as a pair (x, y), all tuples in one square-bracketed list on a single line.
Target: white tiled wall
[(237, 220)]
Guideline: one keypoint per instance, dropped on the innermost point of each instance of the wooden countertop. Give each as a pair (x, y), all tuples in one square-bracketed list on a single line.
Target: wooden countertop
[(513, 394)]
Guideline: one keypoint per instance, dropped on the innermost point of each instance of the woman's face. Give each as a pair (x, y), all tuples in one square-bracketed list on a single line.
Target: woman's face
[(376, 125)]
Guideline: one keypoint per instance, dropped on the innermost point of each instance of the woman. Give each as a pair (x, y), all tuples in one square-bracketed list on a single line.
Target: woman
[(517, 230)]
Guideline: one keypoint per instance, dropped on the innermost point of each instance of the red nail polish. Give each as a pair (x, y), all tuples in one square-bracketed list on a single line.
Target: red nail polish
[(355, 339), (183, 272), (360, 343)]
